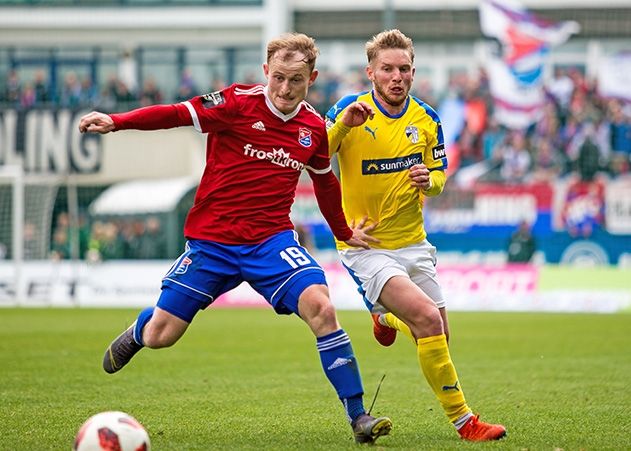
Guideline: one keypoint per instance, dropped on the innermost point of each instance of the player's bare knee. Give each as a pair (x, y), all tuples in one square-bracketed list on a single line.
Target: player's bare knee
[(426, 323), (327, 313), (319, 313)]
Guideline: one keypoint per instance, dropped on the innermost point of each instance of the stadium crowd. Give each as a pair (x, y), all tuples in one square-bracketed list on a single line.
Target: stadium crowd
[(581, 136), (578, 131), (124, 238)]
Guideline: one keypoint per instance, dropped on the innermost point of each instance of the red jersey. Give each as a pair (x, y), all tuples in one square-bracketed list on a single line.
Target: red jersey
[(254, 157)]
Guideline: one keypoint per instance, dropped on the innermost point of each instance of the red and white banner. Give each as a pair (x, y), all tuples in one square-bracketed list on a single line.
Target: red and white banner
[(516, 76)]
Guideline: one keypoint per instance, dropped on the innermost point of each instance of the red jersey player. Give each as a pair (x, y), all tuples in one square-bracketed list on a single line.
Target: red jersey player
[(260, 137)]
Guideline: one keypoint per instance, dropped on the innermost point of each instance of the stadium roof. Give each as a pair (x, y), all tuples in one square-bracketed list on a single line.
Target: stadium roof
[(142, 197)]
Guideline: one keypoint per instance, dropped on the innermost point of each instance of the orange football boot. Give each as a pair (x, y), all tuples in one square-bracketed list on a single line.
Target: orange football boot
[(475, 430), (383, 334)]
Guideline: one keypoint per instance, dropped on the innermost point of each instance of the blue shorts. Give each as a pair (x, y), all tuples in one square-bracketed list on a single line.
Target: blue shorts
[(279, 269)]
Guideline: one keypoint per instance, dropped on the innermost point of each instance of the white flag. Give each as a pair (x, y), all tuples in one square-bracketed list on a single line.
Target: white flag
[(614, 76)]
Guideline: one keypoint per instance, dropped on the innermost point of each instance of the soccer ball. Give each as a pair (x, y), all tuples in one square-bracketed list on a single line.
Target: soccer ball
[(112, 431)]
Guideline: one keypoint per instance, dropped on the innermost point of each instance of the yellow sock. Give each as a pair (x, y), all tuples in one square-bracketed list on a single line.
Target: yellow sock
[(396, 323), (439, 370)]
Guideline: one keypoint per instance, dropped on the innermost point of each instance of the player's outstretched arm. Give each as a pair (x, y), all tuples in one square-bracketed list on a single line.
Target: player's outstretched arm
[(153, 117), (96, 122)]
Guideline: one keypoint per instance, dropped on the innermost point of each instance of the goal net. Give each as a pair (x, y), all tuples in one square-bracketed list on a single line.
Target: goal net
[(26, 205)]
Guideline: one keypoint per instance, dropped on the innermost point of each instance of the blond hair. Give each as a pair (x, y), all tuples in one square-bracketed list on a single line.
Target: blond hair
[(389, 39), (288, 44)]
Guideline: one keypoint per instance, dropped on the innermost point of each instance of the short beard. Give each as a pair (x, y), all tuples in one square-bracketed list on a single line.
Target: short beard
[(387, 98)]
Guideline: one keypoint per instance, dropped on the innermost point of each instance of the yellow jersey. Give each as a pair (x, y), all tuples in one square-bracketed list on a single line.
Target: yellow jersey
[(374, 160)]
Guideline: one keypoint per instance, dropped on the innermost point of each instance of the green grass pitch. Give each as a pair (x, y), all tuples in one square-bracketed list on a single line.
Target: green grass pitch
[(248, 379)]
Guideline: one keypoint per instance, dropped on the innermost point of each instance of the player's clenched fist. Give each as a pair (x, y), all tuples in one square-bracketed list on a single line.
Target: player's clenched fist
[(357, 113), (419, 176), (96, 122)]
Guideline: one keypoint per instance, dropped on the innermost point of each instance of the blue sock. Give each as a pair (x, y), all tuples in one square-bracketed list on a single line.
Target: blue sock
[(143, 319), (340, 367), (354, 407)]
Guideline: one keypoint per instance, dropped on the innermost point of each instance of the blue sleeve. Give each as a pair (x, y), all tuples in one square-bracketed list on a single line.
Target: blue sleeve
[(345, 101)]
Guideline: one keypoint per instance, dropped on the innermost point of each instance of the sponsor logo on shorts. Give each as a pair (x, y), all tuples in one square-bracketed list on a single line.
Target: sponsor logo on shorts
[(183, 266), (276, 156), (387, 165)]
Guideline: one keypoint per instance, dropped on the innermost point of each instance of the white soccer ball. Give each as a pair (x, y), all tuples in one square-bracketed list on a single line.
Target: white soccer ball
[(112, 431)]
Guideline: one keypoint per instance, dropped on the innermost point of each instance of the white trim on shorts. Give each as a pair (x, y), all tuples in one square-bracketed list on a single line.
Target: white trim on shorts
[(372, 268)]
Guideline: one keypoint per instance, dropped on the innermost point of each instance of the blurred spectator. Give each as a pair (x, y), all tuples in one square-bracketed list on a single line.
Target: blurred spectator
[(42, 89), (316, 98), (31, 241), (567, 133), (105, 242), (187, 87), (549, 125), (423, 90), (620, 135), (107, 100), (123, 94), (493, 137), (89, 93), (70, 91), (548, 162), (475, 107), (13, 88), (561, 88), (515, 159), (521, 246), (150, 94), (217, 84), (60, 247), (130, 238), (588, 160), (469, 147), (474, 139), (27, 96), (152, 240)]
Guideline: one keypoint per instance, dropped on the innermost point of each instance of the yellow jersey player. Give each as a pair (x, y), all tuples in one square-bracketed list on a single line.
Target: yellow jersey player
[(391, 155)]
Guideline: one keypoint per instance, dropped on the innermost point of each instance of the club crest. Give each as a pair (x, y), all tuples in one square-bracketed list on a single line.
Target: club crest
[(304, 137), (412, 133), (183, 266)]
